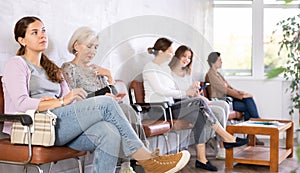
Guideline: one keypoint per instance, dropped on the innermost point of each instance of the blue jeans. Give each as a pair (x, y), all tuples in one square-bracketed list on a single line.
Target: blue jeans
[(96, 124), (248, 106)]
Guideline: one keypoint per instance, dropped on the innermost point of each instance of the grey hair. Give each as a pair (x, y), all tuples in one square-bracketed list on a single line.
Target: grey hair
[(80, 35)]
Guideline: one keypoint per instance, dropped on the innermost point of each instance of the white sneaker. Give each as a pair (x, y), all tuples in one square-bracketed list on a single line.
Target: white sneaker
[(126, 168), (221, 154)]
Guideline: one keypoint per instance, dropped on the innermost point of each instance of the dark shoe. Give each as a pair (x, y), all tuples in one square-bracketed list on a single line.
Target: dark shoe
[(207, 166), (258, 142), (238, 142)]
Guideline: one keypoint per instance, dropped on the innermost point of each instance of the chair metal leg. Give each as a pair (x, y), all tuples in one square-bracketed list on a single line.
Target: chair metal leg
[(50, 167), (177, 142), (79, 161), (36, 166), (167, 143), (80, 164), (25, 169), (157, 139)]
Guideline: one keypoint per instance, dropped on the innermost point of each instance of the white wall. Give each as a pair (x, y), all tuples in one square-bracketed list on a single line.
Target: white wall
[(62, 17), (270, 96), (126, 27)]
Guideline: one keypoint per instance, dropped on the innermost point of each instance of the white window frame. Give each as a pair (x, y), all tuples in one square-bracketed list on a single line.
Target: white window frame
[(257, 32)]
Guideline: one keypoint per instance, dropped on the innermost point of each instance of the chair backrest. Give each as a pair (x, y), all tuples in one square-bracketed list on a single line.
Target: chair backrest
[(207, 90), (1, 97), (204, 91), (233, 115), (2, 135), (137, 92)]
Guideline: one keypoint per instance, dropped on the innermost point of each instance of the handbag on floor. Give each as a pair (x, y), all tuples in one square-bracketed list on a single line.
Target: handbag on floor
[(42, 130)]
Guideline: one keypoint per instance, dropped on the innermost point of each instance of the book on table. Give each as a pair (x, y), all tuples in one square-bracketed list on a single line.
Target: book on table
[(261, 123)]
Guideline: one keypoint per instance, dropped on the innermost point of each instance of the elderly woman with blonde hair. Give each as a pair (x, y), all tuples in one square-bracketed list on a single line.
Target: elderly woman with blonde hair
[(94, 79)]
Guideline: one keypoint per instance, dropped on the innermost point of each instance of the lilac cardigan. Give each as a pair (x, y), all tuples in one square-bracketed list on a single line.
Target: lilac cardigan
[(15, 81)]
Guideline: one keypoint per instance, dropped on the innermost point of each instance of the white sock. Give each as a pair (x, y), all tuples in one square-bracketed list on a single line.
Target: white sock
[(221, 149), (125, 165)]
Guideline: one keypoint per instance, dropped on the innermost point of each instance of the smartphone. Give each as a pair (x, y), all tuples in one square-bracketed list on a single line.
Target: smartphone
[(121, 95), (204, 86)]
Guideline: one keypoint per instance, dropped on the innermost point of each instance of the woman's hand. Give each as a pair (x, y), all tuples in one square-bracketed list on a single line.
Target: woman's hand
[(47, 98), (205, 99), (75, 94), (100, 71), (117, 97), (196, 85), (110, 95), (191, 92), (247, 95)]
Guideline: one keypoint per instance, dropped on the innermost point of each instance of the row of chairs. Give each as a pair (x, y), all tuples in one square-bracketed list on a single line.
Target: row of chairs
[(28, 155), (35, 156)]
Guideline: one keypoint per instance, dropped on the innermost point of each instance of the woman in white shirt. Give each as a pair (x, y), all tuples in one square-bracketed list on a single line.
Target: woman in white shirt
[(181, 67), (159, 86)]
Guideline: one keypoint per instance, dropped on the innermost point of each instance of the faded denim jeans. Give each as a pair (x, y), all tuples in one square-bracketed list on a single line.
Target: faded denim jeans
[(96, 124), (246, 105)]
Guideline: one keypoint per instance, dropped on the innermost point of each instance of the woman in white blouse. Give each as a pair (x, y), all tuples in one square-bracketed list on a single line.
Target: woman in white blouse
[(159, 86)]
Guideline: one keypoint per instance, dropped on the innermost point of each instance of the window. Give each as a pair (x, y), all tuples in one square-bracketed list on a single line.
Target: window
[(242, 33), (272, 15), (233, 39)]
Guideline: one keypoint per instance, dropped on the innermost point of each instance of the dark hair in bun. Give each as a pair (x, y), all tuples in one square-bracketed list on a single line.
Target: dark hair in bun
[(161, 44)]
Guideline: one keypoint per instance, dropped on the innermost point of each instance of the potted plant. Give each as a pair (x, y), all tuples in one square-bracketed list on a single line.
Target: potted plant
[(290, 45), (290, 42)]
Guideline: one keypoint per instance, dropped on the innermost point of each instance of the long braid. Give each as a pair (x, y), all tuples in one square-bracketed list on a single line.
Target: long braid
[(53, 71)]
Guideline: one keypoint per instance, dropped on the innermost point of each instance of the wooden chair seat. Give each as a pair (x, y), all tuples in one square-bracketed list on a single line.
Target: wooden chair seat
[(40, 154), (155, 127)]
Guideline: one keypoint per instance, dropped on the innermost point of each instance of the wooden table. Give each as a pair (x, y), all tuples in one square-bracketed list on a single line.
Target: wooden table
[(262, 155)]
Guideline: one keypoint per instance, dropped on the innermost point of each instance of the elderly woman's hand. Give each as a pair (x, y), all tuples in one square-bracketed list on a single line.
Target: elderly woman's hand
[(100, 71), (75, 94)]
